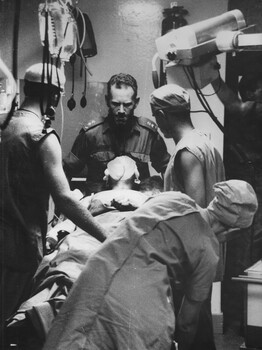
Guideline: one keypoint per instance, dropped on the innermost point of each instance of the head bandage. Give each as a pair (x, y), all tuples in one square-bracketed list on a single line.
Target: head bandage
[(51, 75), (235, 203), (121, 169), (170, 97)]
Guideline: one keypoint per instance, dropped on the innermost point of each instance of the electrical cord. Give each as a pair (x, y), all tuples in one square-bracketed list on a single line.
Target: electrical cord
[(62, 119), (201, 97), (199, 111), (81, 43), (48, 72), (81, 52), (84, 27), (218, 88)]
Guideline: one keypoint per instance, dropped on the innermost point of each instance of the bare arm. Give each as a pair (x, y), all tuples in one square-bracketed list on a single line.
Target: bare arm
[(230, 99), (50, 153), (227, 96), (192, 176)]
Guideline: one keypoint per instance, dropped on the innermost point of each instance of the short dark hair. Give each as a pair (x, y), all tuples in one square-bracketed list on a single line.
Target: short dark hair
[(120, 80), (153, 183), (248, 83)]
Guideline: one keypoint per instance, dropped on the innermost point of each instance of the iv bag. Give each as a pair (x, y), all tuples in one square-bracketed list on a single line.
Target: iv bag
[(56, 18)]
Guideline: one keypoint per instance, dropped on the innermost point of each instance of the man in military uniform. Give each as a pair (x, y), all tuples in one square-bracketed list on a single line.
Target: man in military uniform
[(120, 133)]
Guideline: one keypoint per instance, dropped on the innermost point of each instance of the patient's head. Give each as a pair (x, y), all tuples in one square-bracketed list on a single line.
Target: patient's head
[(122, 173)]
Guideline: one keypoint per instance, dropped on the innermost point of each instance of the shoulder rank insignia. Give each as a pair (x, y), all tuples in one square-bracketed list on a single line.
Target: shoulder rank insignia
[(148, 123), (92, 123), (151, 125)]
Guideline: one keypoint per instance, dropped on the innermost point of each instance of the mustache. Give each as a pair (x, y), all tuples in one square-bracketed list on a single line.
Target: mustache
[(121, 114)]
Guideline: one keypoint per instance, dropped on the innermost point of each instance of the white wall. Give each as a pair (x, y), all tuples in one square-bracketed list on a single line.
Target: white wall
[(125, 32)]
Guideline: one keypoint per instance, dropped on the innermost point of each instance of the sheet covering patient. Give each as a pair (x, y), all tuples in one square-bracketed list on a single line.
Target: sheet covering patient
[(165, 244), (123, 299), (59, 270)]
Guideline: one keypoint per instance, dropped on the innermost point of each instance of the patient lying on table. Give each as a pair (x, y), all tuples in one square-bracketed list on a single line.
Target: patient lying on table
[(126, 296), (54, 280), (60, 269)]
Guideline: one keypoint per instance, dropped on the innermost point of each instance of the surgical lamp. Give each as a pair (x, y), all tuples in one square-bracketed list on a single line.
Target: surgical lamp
[(224, 33), (187, 51)]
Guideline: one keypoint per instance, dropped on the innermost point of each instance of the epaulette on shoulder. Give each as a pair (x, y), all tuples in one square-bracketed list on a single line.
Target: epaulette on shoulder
[(148, 123), (91, 124)]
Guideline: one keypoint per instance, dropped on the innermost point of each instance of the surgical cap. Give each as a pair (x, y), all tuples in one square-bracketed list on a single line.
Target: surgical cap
[(51, 74), (122, 168), (170, 97), (235, 203)]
